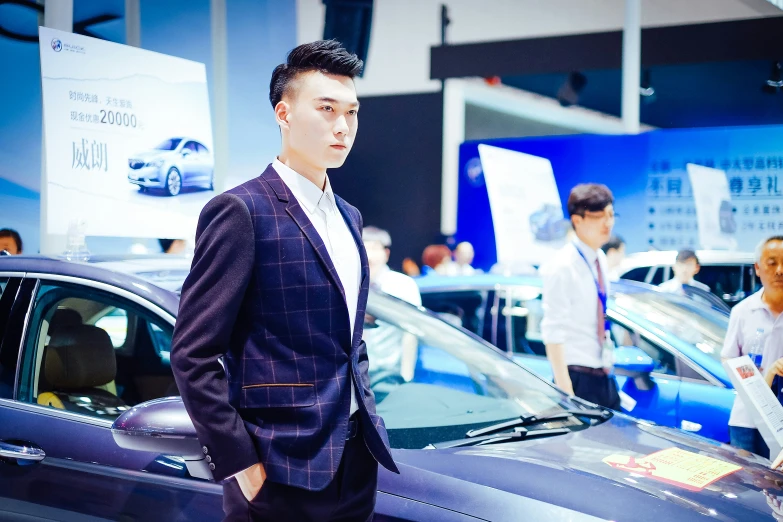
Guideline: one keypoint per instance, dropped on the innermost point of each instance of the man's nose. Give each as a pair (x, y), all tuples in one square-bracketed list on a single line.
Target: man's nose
[(341, 126)]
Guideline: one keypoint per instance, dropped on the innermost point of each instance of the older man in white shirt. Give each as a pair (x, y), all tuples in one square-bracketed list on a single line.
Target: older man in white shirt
[(576, 284), (757, 321)]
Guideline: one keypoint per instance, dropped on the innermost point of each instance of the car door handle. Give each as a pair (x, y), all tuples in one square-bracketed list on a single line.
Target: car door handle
[(25, 453)]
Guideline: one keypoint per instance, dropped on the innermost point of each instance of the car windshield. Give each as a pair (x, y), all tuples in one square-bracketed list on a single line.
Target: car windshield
[(682, 318), (433, 382), (169, 144)]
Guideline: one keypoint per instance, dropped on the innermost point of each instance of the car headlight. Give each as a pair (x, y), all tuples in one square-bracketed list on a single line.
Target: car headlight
[(154, 163)]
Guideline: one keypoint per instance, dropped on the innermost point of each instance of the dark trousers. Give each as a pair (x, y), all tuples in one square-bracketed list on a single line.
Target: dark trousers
[(749, 439), (595, 386), (350, 497)]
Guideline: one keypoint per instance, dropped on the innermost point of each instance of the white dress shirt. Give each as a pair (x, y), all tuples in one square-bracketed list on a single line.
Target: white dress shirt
[(747, 318), (321, 208), (570, 303), (398, 285)]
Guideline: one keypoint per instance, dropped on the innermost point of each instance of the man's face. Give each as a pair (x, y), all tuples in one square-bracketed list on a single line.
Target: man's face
[(595, 228), (320, 118), (464, 254), (8, 243), (686, 270), (770, 267), (377, 254)]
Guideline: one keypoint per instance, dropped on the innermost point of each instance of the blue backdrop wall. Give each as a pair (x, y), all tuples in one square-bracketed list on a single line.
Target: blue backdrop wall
[(647, 174)]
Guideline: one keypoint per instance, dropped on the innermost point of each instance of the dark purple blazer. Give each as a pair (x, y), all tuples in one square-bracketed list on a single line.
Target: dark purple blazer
[(264, 295)]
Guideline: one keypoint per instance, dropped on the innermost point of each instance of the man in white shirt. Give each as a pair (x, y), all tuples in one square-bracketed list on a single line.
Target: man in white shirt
[(576, 284), (685, 268), (377, 242), (756, 323)]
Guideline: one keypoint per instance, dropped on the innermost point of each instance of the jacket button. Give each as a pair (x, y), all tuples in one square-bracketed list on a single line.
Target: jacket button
[(212, 467), (205, 450), (209, 459)]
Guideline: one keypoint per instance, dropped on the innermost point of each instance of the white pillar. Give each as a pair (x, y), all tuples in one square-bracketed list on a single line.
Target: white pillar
[(632, 61), (453, 136), (133, 23), (219, 31), (58, 14)]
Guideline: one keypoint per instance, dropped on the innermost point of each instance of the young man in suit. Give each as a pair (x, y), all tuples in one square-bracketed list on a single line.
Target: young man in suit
[(278, 290)]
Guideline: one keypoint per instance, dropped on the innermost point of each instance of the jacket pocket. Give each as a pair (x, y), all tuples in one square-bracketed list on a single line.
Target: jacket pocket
[(277, 396)]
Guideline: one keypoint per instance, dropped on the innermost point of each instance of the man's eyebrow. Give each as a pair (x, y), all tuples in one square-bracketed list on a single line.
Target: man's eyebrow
[(332, 100)]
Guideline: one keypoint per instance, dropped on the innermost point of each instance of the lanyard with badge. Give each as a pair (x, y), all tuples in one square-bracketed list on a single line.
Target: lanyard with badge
[(607, 349)]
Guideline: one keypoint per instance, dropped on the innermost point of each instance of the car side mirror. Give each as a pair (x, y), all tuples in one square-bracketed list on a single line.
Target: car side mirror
[(186, 152), (634, 363), (162, 426)]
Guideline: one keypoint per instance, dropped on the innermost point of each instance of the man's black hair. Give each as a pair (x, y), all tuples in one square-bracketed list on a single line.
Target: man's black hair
[(589, 197), (614, 243), (686, 254), (326, 56), (13, 234)]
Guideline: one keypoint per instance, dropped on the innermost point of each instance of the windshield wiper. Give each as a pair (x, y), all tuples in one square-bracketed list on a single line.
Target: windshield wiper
[(527, 420), (518, 434)]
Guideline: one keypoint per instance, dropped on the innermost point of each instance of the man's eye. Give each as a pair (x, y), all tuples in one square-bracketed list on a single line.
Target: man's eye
[(353, 112), (327, 108)]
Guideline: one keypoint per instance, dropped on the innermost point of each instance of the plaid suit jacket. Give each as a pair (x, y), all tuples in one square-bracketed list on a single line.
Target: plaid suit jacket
[(264, 295)]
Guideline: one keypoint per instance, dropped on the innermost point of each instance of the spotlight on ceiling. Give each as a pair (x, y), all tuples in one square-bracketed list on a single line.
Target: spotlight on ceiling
[(568, 94), (646, 89), (775, 82)]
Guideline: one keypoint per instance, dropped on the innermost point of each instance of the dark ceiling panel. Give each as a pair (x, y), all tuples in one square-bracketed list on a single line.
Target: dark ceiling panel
[(757, 39)]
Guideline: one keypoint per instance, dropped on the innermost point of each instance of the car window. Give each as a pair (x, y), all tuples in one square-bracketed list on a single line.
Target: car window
[(201, 148), (516, 315), (724, 280), (93, 353), (663, 359), (637, 274), (191, 145), (7, 362), (461, 308), (659, 272), (3, 283)]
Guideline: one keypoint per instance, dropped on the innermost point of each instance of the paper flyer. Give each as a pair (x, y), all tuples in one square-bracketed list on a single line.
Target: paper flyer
[(764, 407), (714, 210)]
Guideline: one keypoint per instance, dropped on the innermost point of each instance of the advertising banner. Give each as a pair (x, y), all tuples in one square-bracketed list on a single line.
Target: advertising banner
[(526, 211), (128, 139), (714, 214)]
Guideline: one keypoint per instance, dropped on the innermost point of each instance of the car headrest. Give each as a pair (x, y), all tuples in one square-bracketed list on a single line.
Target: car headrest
[(64, 317), (79, 357)]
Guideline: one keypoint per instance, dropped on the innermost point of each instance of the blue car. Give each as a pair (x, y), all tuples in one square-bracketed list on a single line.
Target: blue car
[(687, 388), (91, 427)]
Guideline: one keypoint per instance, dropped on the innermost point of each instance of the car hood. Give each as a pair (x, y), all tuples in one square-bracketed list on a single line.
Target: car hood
[(568, 472)]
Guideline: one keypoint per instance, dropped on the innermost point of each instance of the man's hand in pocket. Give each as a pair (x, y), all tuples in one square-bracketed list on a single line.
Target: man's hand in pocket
[(251, 480)]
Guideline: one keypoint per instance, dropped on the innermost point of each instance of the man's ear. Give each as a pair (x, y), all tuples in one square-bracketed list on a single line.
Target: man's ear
[(282, 112)]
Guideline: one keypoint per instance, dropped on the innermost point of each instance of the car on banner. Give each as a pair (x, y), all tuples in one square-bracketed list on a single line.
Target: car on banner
[(101, 435), (730, 275), (685, 386), (172, 165)]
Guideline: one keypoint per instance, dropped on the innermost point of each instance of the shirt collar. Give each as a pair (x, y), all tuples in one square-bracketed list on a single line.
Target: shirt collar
[(588, 252), (755, 302), (305, 191)]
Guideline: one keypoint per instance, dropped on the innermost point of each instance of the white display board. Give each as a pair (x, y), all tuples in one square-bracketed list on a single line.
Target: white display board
[(526, 210), (758, 398), (714, 210), (124, 129)]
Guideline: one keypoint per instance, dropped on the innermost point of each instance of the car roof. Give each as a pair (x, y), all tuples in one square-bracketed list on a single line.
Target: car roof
[(40, 266), (667, 258)]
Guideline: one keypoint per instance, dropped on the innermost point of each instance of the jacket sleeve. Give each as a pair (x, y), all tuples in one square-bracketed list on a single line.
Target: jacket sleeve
[(210, 302)]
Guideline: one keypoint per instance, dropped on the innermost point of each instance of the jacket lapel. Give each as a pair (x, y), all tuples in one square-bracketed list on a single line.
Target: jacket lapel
[(300, 218), (363, 286)]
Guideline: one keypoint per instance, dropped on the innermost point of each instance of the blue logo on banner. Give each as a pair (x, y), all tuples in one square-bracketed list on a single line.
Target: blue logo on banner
[(57, 45), (474, 172)]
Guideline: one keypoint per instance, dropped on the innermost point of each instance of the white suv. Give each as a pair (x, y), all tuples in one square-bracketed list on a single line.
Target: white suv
[(730, 275)]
